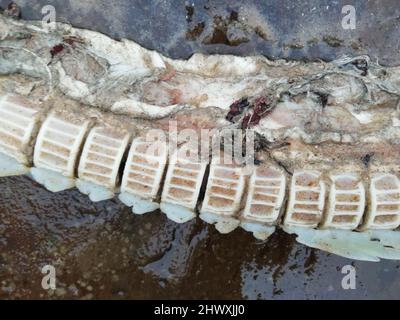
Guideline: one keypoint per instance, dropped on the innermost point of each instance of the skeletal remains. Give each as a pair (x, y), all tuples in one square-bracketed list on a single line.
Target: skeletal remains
[(76, 105)]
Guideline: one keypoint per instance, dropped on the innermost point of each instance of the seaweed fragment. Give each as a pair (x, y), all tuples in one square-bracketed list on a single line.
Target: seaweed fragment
[(261, 107), (249, 113), (237, 108), (57, 49)]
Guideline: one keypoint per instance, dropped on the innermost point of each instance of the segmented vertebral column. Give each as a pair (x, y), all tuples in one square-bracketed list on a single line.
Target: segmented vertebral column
[(384, 203), (65, 133), (225, 188), (265, 196), (182, 187), (143, 173), (56, 151), (100, 163), (306, 199), (346, 203), (19, 122)]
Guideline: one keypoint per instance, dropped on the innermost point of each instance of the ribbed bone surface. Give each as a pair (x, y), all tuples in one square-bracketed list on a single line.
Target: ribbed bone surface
[(306, 199), (58, 144), (102, 155), (346, 203), (182, 187), (18, 121), (265, 195), (225, 188), (144, 169), (384, 211)]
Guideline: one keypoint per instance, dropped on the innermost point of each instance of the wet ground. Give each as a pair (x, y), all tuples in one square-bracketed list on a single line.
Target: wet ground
[(309, 29), (103, 251)]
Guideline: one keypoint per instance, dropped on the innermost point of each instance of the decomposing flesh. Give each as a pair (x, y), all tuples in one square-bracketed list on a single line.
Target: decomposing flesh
[(75, 108)]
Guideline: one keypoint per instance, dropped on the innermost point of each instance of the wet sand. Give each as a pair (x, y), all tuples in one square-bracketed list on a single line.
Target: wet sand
[(102, 251)]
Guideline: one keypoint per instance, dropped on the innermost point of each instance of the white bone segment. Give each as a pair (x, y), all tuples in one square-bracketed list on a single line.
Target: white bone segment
[(346, 203), (371, 245), (182, 188), (225, 188), (265, 196), (56, 152), (18, 124), (384, 202), (306, 199), (143, 173), (100, 163)]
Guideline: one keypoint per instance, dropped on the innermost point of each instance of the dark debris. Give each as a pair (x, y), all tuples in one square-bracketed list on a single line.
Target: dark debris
[(253, 111), (323, 98), (57, 49), (260, 108), (13, 11), (367, 158), (362, 65), (237, 108)]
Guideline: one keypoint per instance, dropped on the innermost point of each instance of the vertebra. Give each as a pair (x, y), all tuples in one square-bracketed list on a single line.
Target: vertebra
[(222, 201), (143, 172), (306, 199), (346, 203), (264, 202), (56, 152), (182, 188), (19, 122), (100, 161), (384, 203)]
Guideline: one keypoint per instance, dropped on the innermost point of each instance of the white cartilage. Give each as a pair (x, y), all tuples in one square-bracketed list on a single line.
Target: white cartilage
[(265, 196), (346, 203), (370, 245), (18, 123), (56, 152), (223, 196), (143, 173), (306, 199), (100, 162), (182, 188), (384, 203)]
